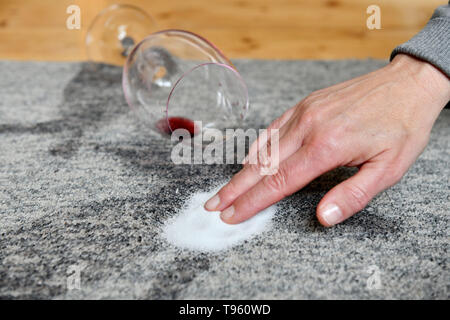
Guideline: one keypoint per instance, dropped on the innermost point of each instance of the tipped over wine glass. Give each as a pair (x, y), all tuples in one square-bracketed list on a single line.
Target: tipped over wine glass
[(172, 79)]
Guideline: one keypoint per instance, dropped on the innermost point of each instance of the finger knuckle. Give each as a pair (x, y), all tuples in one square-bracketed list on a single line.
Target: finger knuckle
[(255, 168), (277, 182), (395, 175), (308, 118), (324, 147), (358, 195), (314, 115), (307, 100), (394, 169), (312, 97)]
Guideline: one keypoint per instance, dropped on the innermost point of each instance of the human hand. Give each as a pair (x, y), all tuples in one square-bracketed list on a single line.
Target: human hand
[(379, 122)]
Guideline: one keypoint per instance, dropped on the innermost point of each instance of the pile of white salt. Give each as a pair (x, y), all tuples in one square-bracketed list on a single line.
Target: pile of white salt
[(196, 229)]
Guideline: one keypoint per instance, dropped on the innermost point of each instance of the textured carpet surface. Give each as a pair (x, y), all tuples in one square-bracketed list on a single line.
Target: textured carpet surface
[(85, 190)]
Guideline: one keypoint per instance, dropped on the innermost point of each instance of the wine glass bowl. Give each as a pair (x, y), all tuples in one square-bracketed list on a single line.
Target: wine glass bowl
[(174, 77)]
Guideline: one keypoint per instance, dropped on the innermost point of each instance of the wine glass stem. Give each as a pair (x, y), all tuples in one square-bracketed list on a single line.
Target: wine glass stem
[(127, 45)]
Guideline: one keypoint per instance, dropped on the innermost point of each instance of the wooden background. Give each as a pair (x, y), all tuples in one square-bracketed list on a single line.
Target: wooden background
[(267, 29)]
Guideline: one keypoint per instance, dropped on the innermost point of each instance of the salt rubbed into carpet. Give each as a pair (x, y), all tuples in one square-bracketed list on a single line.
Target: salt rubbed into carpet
[(196, 229)]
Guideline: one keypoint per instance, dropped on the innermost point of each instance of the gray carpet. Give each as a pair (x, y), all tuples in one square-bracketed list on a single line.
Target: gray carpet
[(83, 185)]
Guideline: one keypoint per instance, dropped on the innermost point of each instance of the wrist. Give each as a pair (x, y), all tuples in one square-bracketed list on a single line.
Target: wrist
[(427, 77)]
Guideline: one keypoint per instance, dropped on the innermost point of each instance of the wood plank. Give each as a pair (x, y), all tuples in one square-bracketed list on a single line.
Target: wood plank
[(265, 29)]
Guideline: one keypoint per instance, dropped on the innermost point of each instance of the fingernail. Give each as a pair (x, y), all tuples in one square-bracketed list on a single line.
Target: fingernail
[(331, 214), (227, 213), (212, 203)]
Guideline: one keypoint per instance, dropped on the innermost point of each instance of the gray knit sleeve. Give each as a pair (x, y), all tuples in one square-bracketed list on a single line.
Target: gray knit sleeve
[(432, 43)]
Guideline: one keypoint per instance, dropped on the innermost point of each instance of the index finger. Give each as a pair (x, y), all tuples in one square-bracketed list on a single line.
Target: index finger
[(293, 174)]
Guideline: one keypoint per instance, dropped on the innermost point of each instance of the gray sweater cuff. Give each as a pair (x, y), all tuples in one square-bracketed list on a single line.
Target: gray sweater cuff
[(432, 43)]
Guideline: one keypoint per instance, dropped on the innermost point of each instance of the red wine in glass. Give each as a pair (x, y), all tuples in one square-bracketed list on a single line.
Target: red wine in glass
[(171, 124)]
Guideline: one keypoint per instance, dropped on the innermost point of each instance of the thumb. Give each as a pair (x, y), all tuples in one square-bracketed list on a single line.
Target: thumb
[(352, 195)]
